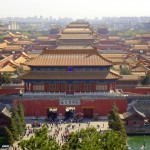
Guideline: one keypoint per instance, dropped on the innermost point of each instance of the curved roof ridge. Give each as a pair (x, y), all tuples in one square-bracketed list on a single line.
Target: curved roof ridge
[(14, 63), (140, 65), (25, 54), (7, 68), (115, 73), (6, 112), (104, 57), (138, 112)]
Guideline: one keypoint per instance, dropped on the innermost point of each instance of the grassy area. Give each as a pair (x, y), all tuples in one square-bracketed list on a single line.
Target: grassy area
[(2, 140)]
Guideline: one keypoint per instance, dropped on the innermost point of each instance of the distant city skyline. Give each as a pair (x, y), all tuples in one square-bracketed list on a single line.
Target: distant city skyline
[(76, 9)]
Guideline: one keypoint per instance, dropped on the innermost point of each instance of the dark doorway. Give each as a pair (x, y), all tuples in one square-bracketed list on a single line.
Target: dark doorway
[(69, 113), (88, 112), (52, 114)]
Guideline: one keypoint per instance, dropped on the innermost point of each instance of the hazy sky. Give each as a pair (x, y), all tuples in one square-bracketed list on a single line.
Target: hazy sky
[(74, 8)]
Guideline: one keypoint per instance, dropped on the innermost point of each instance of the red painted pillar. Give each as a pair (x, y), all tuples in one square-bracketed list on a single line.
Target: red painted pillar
[(60, 87), (114, 86), (25, 87), (31, 87), (45, 87), (28, 84), (108, 87), (80, 87)]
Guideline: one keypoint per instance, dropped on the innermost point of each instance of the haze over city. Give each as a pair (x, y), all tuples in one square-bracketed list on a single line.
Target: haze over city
[(75, 9)]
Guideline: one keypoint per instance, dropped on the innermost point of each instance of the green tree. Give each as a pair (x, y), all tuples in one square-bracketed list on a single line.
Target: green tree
[(17, 119), (91, 139), (1, 38), (9, 136), (111, 141), (6, 77), (116, 124), (20, 70), (40, 141), (13, 128), (125, 71), (86, 139), (21, 115), (146, 80), (72, 142), (2, 80)]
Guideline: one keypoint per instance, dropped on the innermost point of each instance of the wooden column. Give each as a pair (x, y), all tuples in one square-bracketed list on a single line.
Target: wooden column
[(108, 87), (45, 87), (94, 87), (31, 87), (114, 86), (25, 89), (60, 87), (80, 85)]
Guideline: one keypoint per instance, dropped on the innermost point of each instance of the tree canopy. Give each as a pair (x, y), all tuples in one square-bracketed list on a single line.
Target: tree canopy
[(146, 80), (116, 124), (9, 136), (91, 139), (125, 71), (16, 127), (5, 78), (85, 139), (40, 141)]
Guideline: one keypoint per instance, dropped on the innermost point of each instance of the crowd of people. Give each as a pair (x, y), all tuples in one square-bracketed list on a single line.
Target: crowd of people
[(59, 131)]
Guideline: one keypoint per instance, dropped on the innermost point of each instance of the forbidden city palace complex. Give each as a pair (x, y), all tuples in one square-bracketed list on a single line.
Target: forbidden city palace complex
[(74, 76)]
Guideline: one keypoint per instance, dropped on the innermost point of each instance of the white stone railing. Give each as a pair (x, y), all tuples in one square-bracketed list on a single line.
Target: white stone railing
[(44, 93), (12, 84), (95, 93), (74, 94)]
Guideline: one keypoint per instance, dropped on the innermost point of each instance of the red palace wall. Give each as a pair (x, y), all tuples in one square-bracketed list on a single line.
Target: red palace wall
[(101, 106), (135, 123), (9, 91), (137, 91)]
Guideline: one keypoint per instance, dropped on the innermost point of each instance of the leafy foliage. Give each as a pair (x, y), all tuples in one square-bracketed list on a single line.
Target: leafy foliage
[(20, 70), (111, 141), (21, 115), (116, 124), (146, 80), (1, 38), (3, 140), (9, 136), (17, 119), (5, 78), (90, 139), (13, 128), (16, 128), (40, 141), (125, 71)]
